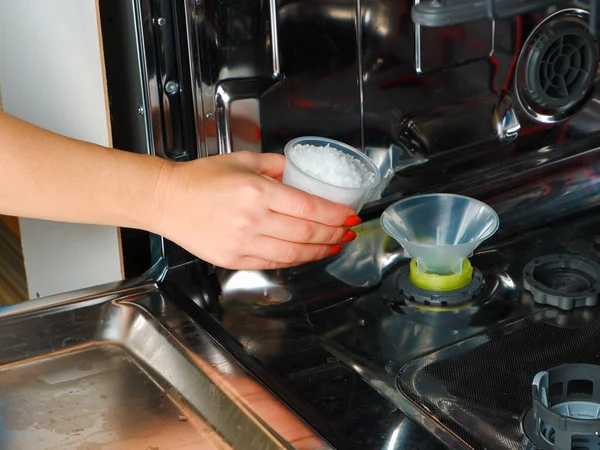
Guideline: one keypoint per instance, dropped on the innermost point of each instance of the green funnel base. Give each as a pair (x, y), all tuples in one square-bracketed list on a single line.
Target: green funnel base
[(441, 283)]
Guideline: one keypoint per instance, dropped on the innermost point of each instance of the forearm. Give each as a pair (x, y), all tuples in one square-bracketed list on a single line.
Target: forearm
[(48, 176)]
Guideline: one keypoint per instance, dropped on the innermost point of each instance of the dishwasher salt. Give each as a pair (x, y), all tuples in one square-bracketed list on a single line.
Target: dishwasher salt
[(331, 166)]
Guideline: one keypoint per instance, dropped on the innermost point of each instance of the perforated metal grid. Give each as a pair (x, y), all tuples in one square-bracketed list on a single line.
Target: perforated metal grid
[(480, 388)]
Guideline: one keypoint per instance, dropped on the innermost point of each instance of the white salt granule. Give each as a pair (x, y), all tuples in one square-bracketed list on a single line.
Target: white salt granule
[(331, 166)]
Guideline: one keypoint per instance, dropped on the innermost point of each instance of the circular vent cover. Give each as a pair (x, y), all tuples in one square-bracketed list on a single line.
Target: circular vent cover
[(561, 66), (557, 67)]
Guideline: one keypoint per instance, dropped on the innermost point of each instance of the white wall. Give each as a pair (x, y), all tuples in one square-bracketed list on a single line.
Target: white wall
[(51, 74)]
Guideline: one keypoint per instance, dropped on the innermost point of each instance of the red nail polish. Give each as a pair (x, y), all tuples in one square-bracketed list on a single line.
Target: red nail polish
[(335, 249), (349, 236), (352, 221)]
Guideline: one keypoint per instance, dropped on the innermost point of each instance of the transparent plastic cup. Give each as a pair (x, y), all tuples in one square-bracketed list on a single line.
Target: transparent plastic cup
[(353, 197), (439, 230)]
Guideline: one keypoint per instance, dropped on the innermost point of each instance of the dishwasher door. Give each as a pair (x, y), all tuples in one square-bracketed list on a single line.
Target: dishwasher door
[(121, 366)]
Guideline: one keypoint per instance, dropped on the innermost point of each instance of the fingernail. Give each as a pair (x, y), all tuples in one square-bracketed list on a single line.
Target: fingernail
[(335, 249), (349, 236), (352, 221)]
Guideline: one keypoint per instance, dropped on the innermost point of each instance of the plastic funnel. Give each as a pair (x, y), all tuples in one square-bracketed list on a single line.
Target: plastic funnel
[(439, 230)]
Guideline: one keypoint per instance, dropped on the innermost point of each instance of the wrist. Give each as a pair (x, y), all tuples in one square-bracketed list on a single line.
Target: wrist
[(164, 189), (146, 183)]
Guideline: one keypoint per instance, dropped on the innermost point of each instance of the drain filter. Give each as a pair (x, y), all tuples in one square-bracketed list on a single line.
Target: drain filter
[(566, 408), (564, 281)]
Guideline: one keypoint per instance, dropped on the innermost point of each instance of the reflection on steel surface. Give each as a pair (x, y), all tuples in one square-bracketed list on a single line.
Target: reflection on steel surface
[(121, 366)]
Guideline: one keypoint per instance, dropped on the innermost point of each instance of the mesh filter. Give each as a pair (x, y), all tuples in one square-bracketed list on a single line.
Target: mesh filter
[(480, 389)]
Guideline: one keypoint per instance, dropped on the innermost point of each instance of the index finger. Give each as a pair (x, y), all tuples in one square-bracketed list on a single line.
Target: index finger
[(293, 202), (269, 164)]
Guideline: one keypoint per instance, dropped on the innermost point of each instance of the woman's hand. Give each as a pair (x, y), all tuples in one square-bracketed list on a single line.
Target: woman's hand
[(232, 211), (229, 210)]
